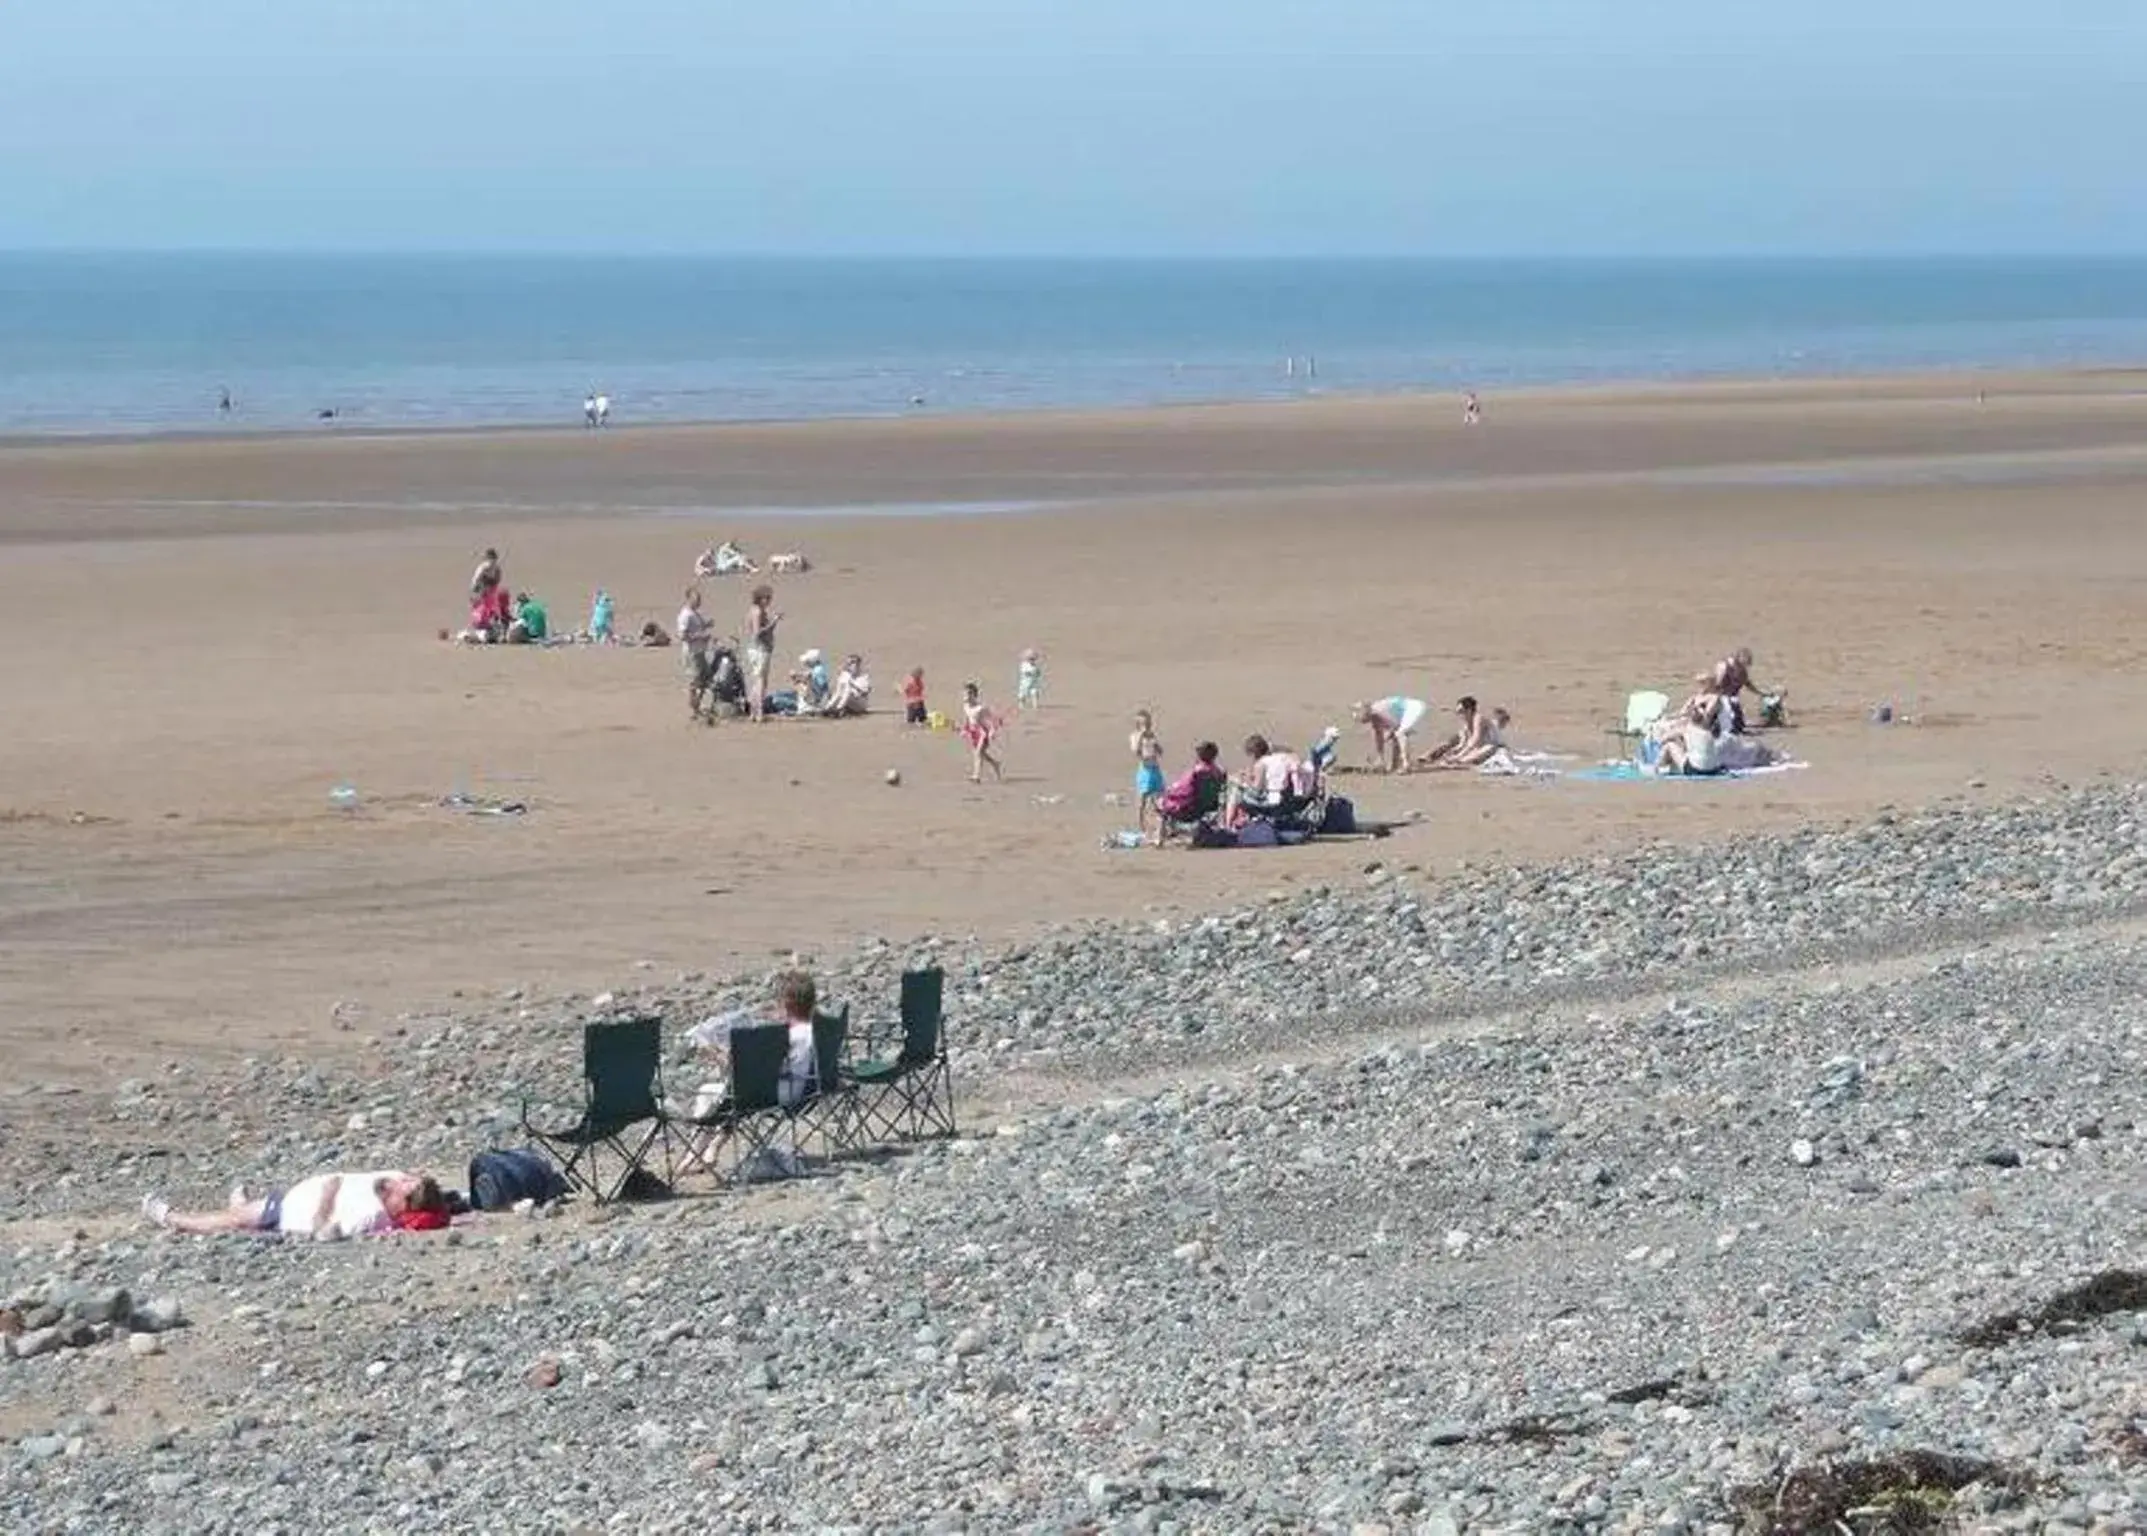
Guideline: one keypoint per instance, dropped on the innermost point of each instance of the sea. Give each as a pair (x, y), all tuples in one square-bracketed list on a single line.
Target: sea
[(139, 343)]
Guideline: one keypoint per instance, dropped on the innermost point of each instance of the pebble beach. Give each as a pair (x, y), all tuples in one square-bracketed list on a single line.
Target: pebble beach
[(1733, 1159)]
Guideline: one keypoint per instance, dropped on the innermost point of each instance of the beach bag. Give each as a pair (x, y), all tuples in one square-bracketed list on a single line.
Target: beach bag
[(499, 1179), (1208, 835), (1257, 834), (1341, 817)]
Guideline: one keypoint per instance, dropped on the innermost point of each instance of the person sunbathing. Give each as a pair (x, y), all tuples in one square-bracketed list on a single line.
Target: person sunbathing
[(325, 1207), (725, 559)]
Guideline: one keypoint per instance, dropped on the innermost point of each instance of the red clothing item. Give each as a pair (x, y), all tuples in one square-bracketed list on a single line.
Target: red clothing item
[(421, 1221), (1183, 798)]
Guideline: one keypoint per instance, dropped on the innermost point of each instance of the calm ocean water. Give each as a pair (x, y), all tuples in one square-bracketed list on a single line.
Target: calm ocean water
[(147, 343)]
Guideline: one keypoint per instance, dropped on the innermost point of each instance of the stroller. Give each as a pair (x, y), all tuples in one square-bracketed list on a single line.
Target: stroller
[(722, 680)]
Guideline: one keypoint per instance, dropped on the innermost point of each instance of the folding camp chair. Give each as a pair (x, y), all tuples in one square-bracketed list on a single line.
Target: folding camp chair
[(829, 1108), (622, 1063), (751, 1118), (911, 1094), (1207, 805), (1642, 710)]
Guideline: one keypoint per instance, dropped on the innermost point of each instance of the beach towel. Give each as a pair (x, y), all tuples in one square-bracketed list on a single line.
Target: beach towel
[(1622, 772), (1506, 763)]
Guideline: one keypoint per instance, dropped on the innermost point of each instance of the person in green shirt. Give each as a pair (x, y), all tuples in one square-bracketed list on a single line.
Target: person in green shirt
[(530, 624)]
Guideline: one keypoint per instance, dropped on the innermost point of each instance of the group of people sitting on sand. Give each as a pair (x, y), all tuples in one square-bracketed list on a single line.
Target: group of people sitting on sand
[(499, 615), (1708, 733)]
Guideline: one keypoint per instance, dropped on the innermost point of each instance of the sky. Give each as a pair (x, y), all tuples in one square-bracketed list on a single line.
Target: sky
[(1076, 127)]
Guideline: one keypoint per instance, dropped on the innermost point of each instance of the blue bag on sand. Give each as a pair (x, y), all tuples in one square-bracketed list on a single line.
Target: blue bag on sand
[(499, 1179), (1257, 834), (1341, 817)]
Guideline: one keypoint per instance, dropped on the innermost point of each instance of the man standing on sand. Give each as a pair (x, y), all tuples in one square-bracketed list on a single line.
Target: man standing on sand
[(326, 1207), (696, 652), (603, 410), (760, 622)]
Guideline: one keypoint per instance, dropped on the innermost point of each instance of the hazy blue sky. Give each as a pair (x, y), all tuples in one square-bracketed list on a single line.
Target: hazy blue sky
[(1075, 126)]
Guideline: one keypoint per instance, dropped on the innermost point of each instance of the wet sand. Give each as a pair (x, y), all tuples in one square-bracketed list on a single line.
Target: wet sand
[(207, 636)]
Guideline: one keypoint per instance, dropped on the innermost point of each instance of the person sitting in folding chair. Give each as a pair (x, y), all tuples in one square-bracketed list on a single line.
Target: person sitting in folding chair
[(769, 1073), (795, 996)]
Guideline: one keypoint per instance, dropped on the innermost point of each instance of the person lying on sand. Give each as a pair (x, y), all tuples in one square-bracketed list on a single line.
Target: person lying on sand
[(325, 1207), (1391, 720), (725, 559)]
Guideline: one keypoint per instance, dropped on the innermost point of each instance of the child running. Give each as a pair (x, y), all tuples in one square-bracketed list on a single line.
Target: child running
[(1147, 766), (913, 710), (980, 728), (1029, 681)]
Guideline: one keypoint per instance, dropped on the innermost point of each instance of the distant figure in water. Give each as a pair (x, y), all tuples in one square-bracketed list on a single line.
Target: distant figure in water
[(603, 410), (588, 409), (325, 413), (1472, 410), (223, 402)]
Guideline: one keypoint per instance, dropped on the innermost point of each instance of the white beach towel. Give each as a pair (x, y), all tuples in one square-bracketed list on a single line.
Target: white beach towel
[(1506, 763)]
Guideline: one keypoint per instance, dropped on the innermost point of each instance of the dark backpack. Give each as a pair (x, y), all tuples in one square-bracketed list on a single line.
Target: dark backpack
[(499, 1179)]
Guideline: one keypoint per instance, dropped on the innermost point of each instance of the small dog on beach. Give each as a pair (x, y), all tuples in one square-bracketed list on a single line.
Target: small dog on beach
[(789, 563)]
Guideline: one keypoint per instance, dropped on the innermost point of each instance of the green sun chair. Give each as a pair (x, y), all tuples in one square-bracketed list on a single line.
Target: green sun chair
[(622, 1113), (908, 1095), (829, 1109), (751, 1120)]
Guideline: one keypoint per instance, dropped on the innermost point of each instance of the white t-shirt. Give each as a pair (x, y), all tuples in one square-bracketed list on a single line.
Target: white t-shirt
[(355, 1212), (694, 629)]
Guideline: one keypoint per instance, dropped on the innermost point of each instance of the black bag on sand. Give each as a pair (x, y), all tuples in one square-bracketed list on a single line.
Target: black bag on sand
[(499, 1179)]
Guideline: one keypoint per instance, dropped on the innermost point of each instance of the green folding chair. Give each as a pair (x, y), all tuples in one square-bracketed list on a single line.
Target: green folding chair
[(829, 1108), (1642, 710), (909, 1095), (622, 1112), (751, 1119)]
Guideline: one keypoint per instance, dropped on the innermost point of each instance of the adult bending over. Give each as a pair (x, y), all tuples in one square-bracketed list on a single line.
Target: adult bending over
[(326, 1207), (1391, 720)]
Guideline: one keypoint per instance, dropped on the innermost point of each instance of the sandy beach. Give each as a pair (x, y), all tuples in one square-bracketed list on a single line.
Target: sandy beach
[(206, 637)]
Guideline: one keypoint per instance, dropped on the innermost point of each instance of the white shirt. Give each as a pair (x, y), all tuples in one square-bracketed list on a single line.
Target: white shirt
[(694, 629), (355, 1211)]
